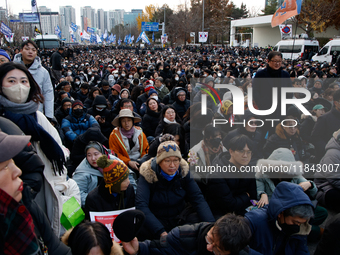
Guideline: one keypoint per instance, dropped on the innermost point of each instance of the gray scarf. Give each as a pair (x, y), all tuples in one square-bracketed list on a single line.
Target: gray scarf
[(25, 108)]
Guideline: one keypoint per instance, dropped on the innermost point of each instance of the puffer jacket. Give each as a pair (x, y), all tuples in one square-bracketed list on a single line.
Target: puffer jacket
[(74, 127), (162, 201), (267, 237), (281, 140), (42, 77)]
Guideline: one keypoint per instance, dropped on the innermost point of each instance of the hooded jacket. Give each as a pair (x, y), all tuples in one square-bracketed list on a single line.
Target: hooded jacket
[(267, 237), (105, 127), (181, 106), (42, 77), (162, 201)]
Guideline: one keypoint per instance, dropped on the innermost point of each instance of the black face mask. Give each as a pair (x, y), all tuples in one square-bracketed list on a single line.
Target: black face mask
[(78, 112), (290, 229), (215, 142)]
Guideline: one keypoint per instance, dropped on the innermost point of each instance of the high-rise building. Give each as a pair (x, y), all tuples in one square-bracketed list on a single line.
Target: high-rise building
[(130, 17), (118, 17), (49, 21), (67, 16), (87, 16), (43, 9), (100, 16), (3, 14)]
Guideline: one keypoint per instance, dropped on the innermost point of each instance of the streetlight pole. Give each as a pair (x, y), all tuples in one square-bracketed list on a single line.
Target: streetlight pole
[(203, 18)]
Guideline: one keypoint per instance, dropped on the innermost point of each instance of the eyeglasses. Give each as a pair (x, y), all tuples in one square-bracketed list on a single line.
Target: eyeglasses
[(181, 95), (215, 248), (276, 62), (248, 153), (168, 161)]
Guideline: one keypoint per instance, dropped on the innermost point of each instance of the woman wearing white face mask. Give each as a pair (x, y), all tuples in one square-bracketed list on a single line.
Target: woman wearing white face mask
[(20, 96)]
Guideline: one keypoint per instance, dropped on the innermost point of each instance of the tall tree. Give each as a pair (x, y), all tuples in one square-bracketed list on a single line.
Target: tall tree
[(271, 7)]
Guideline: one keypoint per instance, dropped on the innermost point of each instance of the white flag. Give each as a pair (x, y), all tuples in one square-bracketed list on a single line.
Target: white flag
[(286, 31), (203, 37), (70, 30), (9, 38), (86, 36)]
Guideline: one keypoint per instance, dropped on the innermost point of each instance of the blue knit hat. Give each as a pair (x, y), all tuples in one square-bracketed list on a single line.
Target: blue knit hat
[(5, 54), (151, 91)]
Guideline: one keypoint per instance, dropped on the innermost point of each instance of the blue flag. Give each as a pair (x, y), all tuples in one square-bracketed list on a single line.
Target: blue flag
[(57, 31), (74, 27), (145, 38), (153, 36), (5, 29)]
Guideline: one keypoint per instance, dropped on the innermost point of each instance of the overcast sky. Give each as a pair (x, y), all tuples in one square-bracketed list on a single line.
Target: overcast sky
[(16, 6)]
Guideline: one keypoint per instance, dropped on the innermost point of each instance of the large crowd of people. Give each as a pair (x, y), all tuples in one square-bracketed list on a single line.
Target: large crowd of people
[(126, 127)]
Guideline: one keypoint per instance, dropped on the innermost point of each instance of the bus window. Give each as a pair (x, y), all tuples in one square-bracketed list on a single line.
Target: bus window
[(323, 51)]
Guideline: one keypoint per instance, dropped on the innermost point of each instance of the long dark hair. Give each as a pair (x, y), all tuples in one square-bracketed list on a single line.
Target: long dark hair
[(87, 235), (35, 91), (164, 109)]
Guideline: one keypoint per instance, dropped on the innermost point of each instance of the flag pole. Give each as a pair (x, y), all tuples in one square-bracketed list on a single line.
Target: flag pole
[(42, 37), (291, 57)]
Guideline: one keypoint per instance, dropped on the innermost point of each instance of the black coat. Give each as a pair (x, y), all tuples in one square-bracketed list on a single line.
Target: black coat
[(100, 200), (27, 160), (281, 140), (262, 88), (226, 195), (162, 201), (42, 226), (105, 127), (256, 137), (140, 100), (60, 114), (181, 106), (150, 121), (323, 130)]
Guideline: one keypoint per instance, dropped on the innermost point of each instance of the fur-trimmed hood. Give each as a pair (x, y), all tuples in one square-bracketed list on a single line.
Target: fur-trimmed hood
[(281, 132), (293, 169), (116, 249), (148, 168)]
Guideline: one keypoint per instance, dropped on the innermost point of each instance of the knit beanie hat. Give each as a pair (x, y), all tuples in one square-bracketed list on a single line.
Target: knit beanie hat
[(124, 90), (180, 91), (167, 149), (151, 91), (5, 54), (77, 102), (66, 99), (225, 106), (148, 87), (114, 173)]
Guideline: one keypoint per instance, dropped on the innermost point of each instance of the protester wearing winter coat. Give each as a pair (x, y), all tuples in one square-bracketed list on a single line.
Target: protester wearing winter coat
[(63, 110), (273, 232), (266, 182), (22, 109), (252, 132), (42, 77), (151, 117), (161, 89), (181, 104), (168, 116), (128, 141), (114, 191), (225, 194), (163, 189), (24, 228), (102, 115), (328, 182), (326, 125), (77, 122), (286, 137)]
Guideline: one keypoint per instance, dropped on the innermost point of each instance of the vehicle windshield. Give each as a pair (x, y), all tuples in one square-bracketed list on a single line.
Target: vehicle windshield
[(47, 44)]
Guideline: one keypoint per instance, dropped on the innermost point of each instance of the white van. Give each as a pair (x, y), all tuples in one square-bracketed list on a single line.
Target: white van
[(300, 45), (327, 51)]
